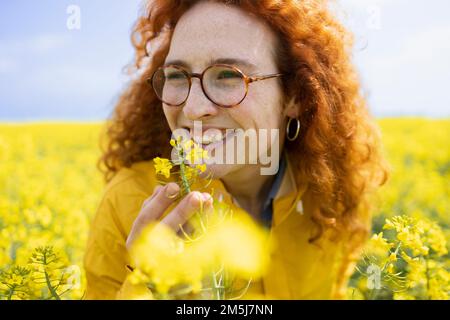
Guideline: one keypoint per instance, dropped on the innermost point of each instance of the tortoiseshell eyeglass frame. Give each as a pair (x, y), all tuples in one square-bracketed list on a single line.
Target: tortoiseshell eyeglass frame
[(189, 76)]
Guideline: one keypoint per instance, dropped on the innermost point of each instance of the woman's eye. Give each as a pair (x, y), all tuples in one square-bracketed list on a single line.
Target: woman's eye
[(174, 76), (227, 75)]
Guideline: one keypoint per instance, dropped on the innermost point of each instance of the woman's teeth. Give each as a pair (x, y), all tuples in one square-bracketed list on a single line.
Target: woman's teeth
[(211, 138)]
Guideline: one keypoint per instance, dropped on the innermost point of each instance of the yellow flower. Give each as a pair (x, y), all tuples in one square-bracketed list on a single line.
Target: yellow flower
[(418, 235), (390, 268), (440, 285), (240, 244), (168, 262), (188, 145), (435, 238), (416, 268), (164, 258), (378, 243), (201, 167), (162, 166), (392, 257), (190, 172), (195, 154)]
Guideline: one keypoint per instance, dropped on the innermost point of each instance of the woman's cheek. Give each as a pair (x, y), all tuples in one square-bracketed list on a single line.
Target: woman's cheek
[(246, 114)]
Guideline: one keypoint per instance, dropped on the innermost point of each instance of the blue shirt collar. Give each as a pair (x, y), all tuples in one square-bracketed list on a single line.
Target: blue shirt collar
[(267, 211)]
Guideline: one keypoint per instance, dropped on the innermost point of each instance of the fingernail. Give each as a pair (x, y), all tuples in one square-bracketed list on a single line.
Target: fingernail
[(196, 198), (206, 196), (171, 190)]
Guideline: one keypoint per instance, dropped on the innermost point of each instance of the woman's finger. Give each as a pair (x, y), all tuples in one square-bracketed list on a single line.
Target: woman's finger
[(188, 229), (158, 204), (156, 190), (186, 208)]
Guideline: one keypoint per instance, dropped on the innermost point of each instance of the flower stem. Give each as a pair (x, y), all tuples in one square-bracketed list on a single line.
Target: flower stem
[(217, 287), (47, 280), (184, 181), (11, 292)]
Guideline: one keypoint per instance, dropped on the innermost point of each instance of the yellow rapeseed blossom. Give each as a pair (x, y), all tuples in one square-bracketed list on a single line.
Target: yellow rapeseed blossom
[(50, 188), (164, 258), (167, 263), (392, 257), (201, 167), (418, 235), (416, 246), (378, 245), (241, 246), (162, 166), (229, 245)]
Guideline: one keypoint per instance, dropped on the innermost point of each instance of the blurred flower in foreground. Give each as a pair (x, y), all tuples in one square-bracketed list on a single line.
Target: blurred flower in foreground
[(173, 267)]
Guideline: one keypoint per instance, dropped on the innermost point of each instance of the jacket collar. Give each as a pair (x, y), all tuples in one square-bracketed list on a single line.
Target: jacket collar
[(289, 195), (285, 201)]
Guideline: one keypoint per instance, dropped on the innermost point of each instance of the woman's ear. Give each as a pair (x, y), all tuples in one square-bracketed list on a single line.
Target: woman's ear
[(291, 109)]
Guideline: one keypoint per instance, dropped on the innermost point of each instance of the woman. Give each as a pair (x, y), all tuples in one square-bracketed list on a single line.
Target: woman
[(316, 206)]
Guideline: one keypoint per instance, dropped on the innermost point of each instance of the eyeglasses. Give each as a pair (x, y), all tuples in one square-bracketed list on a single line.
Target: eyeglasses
[(223, 84)]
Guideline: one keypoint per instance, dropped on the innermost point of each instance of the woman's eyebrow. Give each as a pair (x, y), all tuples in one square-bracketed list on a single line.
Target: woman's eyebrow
[(233, 61)]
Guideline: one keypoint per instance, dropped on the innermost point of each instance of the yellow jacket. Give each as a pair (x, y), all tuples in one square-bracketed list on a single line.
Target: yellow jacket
[(298, 269)]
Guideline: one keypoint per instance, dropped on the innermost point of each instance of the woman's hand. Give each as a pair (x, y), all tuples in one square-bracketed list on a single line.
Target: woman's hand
[(155, 206)]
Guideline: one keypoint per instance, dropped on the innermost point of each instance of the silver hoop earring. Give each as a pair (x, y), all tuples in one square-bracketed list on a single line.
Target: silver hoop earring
[(297, 130)]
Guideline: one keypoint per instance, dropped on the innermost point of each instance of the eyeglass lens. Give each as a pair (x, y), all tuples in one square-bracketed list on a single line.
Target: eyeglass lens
[(223, 85)]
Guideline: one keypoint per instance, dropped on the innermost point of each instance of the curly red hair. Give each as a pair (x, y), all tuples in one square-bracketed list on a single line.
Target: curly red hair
[(339, 151)]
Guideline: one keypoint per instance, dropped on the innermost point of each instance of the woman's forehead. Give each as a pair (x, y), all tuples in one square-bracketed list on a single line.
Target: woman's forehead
[(200, 37)]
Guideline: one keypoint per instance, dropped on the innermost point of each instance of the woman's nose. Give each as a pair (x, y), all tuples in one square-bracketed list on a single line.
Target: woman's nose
[(197, 105)]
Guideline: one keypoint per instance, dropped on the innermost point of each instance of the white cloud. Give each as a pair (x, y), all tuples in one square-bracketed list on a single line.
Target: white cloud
[(414, 77), (427, 50), (427, 46)]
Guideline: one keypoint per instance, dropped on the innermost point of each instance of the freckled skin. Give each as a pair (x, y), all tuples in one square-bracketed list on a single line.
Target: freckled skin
[(213, 30)]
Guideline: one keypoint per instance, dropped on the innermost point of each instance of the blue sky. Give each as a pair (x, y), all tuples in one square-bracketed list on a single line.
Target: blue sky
[(48, 72)]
